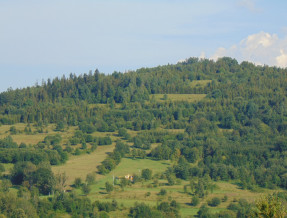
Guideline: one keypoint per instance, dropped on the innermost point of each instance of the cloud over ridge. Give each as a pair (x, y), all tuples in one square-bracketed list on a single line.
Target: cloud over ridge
[(260, 48)]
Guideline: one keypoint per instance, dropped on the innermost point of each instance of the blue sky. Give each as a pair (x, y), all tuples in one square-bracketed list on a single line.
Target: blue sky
[(45, 39)]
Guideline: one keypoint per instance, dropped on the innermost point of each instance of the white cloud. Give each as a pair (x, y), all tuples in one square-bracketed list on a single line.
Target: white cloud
[(259, 39), (250, 5), (219, 53), (282, 59), (259, 48), (202, 55)]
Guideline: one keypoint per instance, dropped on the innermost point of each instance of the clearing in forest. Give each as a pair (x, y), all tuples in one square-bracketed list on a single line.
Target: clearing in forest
[(200, 83), (178, 97), (80, 166), (130, 166), (34, 137)]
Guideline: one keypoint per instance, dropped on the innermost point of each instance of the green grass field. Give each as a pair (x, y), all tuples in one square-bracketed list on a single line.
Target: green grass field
[(179, 97), (80, 166), (34, 138), (200, 83)]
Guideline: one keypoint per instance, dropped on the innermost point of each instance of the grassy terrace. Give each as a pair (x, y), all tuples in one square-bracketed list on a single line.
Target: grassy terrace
[(179, 97)]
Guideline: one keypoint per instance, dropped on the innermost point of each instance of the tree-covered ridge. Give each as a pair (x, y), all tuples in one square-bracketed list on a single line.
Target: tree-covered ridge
[(67, 97)]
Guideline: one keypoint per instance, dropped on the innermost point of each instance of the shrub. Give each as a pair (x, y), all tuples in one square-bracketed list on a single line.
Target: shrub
[(162, 192), (109, 187), (140, 210), (2, 168), (147, 194), (146, 174), (86, 189), (105, 140), (225, 198), (90, 179), (214, 202), (203, 211), (195, 201), (78, 182), (171, 179)]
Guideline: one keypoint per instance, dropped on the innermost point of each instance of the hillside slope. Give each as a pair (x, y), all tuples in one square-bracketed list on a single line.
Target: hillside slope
[(203, 123)]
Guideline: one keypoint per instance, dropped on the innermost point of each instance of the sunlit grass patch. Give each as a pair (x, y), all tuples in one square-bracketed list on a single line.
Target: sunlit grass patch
[(178, 97), (200, 83), (80, 166)]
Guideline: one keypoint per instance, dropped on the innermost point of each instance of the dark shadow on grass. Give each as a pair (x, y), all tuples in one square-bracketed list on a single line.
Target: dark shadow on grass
[(238, 184), (182, 192), (5, 176), (132, 158)]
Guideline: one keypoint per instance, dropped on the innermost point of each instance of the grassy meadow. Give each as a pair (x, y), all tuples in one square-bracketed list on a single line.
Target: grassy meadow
[(178, 97), (200, 83), (34, 137), (80, 166)]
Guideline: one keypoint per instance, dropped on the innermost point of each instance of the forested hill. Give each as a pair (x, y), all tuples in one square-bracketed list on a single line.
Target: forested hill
[(231, 84), (202, 121)]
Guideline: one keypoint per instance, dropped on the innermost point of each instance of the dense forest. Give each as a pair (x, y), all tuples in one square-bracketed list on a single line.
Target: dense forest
[(236, 131)]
